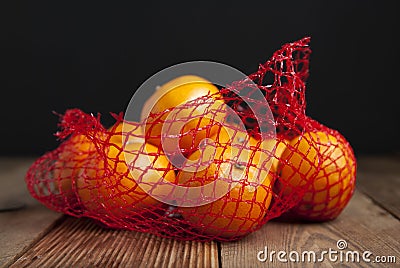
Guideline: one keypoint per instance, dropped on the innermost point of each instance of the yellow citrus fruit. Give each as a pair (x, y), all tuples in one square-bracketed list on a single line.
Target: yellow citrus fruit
[(240, 210), (193, 122), (109, 185), (327, 162)]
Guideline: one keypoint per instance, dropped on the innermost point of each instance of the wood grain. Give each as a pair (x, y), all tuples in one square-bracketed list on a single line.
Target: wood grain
[(19, 228), (82, 243), (379, 164), (363, 225), (32, 237), (379, 178)]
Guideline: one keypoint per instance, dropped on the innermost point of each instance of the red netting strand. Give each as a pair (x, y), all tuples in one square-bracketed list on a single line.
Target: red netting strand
[(307, 172)]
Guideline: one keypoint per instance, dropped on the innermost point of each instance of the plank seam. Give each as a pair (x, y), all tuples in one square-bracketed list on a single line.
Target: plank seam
[(219, 249), (377, 203)]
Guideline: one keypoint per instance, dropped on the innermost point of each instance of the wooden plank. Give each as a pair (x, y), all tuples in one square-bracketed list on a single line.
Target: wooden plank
[(379, 178), (82, 243), (364, 225), (379, 164), (19, 228)]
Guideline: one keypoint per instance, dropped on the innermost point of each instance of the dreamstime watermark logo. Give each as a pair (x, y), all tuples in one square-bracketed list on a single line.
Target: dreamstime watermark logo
[(195, 112), (340, 254), (341, 244)]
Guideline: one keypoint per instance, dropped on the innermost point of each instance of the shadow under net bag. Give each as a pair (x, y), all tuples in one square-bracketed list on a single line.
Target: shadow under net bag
[(233, 182)]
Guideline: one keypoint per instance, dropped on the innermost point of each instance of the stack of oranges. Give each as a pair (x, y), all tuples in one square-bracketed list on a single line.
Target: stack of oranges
[(103, 179)]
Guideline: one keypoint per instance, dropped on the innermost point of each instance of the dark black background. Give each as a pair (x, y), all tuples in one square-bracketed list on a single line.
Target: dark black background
[(59, 55)]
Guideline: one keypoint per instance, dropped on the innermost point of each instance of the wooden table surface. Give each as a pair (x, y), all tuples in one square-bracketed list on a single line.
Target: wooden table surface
[(37, 237)]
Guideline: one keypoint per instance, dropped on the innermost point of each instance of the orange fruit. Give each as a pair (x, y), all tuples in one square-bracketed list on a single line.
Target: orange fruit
[(74, 153), (130, 131), (323, 162), (242, 209), (110, 186), (79, 151), (165, 88), (277, 147), (230, 132), (190, 123)]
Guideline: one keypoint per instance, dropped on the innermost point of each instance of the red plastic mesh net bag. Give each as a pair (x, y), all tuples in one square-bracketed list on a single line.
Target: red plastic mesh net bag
[(225, 181)]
